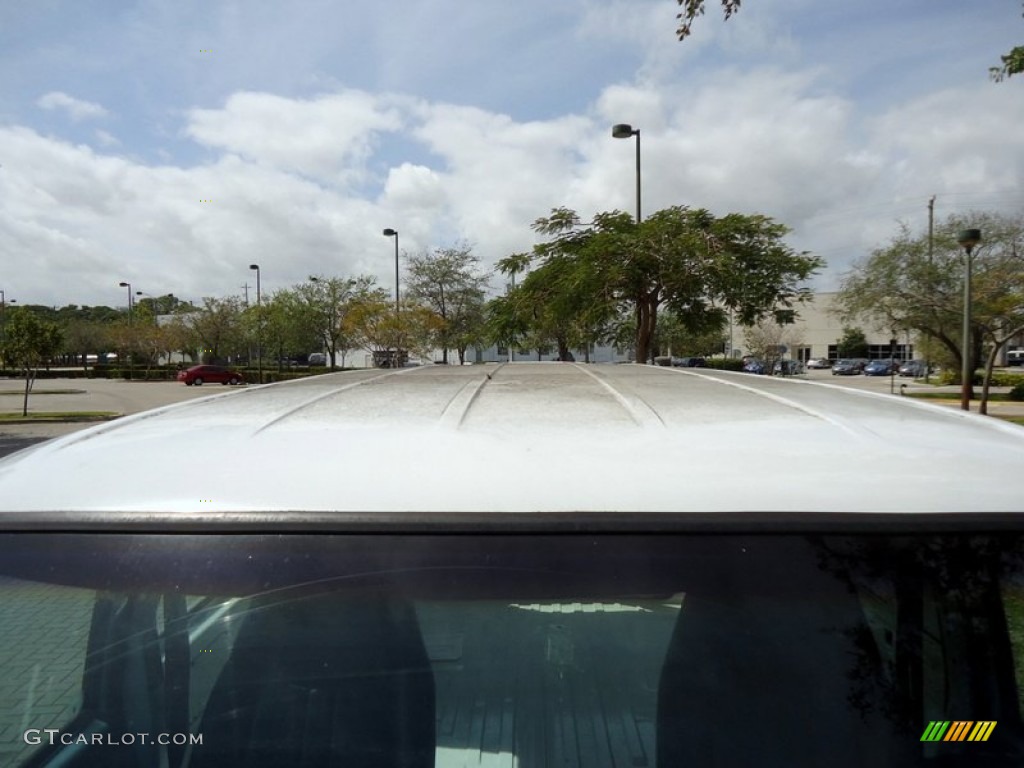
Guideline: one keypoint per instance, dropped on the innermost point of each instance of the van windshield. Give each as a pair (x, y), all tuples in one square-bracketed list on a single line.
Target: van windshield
[(512, 650)]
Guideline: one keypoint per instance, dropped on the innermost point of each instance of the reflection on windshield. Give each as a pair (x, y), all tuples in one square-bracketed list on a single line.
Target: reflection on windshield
[(515, 651)]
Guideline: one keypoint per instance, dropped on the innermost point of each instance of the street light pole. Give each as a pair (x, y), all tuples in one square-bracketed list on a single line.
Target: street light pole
[(968, 239), (624, 131), (131, 360), (389, 232), (130, 303), (259, 324)]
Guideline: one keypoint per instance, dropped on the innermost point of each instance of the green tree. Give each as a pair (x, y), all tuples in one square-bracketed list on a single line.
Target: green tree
[(28, 343), (216, 328), (83, 337), (767, 338), (694, 8), (686, 260), (554, 305), (324, 305), (1012, 62), (853, 343), (674, 338), (907, 285), (371, 323), (448, 281)]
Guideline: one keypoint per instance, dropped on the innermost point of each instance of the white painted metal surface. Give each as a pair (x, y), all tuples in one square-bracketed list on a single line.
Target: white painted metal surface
[(531, 438)]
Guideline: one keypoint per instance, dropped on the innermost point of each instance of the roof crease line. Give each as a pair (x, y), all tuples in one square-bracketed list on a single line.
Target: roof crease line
[(281, 415), (642, 412)]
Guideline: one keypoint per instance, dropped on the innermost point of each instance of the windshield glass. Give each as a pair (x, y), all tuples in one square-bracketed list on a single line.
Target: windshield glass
[(619, 650)]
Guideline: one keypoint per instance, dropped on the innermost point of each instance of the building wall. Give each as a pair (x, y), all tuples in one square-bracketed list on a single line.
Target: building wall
[(819, 330)]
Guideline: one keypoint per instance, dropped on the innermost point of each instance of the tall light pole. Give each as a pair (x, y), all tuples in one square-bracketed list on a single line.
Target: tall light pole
[(624, 131), (259, 324), (3, 307), (968, 238), (131, 302), (389, 232)]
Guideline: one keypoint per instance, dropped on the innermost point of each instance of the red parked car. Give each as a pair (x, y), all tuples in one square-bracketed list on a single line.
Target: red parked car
[(199, 374)]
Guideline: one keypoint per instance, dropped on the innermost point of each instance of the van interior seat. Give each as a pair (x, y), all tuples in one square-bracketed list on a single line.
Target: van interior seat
[(798, 647), (322, 679)]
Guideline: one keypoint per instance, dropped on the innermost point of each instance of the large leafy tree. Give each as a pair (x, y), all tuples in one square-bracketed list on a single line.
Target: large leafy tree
[(908, 285), (686, 260), (556, 305), (324, 305), (217, 328), (449, 282), (853, 343), (373, 324), (28, 343)]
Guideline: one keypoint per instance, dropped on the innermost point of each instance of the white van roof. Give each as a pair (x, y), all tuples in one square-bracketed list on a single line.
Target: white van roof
[(530, 437)]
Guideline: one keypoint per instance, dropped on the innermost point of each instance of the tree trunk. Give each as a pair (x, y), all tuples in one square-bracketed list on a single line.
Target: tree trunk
[(987, 380), (647, 320), (28, 386), (563, 348)]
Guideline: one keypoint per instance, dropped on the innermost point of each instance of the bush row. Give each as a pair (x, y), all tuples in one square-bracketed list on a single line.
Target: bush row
[(999, 378)]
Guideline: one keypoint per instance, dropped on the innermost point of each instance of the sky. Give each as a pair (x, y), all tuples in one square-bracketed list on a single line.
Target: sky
[(172, 143)]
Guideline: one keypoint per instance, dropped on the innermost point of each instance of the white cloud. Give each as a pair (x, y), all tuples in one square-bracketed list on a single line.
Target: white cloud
[(329, 137), (473, 133), (76, 108)]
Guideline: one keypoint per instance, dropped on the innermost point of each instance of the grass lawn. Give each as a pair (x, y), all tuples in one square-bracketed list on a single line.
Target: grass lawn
[(34, 392), (954, 397), (59, 416)]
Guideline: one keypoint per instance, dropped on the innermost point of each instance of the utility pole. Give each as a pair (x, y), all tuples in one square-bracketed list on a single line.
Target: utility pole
[(245, 287)]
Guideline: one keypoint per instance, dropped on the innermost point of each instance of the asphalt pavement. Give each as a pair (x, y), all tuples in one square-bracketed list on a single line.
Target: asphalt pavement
[(116, 396)]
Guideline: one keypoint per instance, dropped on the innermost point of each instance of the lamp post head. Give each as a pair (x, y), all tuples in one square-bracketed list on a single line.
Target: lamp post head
[(624, 131), (968, 238), (389, 232), (255, 266), (125, 285)]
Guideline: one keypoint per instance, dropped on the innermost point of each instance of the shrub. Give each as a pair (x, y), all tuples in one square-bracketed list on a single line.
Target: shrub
[(1017, 393)]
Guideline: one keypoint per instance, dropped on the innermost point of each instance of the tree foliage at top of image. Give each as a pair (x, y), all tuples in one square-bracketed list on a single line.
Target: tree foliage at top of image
[(691, 9), (588, 278), (1012, 62)]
